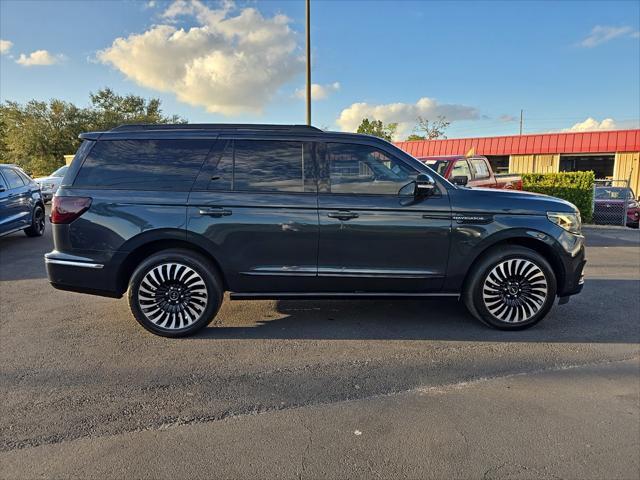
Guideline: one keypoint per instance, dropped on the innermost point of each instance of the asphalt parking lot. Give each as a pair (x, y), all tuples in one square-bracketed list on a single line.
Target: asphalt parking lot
[(351, 389)]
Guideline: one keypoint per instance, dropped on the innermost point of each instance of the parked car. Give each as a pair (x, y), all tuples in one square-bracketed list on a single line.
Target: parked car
[(176, 215), (472, 172), (21, 204), (610, 204), (49, 185)]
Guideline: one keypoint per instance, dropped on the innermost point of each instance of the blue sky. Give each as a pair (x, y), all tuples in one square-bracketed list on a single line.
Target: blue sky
[(478, 63)]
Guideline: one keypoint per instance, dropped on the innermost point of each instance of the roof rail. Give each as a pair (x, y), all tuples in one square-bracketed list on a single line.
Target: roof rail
[(215, 126)]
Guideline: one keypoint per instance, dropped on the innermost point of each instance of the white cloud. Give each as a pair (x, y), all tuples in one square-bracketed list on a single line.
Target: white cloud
[(318, 92), (506, 118), (39, 58), (5, 46), (603, 33), (404, 114), (230, 63), (150, 4), (591, 124)]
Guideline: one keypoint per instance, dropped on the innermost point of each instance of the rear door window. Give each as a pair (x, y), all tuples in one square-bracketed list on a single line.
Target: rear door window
[(170, 165), (260, 166), (25, 178), (14, 180), (275, 166)]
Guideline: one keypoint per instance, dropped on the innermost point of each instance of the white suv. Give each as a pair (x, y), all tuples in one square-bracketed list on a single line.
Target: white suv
[(49, 185)]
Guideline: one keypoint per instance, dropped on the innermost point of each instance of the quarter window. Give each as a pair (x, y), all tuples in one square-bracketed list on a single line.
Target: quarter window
[(13, 179), (2, 182), (361, 169), (169, 165)]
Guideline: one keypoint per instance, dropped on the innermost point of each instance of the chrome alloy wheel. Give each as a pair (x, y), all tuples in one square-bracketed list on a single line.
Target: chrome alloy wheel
[(172, 296), (515, 290)]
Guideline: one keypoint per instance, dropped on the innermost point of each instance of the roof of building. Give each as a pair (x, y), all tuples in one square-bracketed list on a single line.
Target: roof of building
[(578, 142)]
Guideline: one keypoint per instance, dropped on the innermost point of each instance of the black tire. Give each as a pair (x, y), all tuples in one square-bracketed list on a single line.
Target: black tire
[(37, 223), (175, 293), (511, 288)]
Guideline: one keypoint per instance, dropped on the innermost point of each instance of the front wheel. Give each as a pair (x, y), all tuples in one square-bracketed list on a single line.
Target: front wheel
[(512, 288), (36, 229), (175, 293)]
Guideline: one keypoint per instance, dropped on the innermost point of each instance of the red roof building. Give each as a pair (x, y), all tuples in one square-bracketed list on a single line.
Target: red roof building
[(610, 154)]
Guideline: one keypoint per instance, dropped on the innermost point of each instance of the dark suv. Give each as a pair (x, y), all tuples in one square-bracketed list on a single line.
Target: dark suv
[(175, 215)]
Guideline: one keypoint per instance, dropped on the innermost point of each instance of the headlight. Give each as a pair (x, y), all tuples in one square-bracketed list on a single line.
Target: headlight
[(571, 222), (632, 204)]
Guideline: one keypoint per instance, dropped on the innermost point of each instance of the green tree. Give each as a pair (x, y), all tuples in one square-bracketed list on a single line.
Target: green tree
[(108, 109), (430, 130), (378, 129), (37, 135)]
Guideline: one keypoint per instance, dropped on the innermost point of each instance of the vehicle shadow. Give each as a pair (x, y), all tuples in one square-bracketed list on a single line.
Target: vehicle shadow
[(611, 237), (595, 316), (22, 258)]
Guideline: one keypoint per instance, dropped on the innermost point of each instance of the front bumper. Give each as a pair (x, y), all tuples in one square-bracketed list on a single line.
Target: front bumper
[(573, 263)]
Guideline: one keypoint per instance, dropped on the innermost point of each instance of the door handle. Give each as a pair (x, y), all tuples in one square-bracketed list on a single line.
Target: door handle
[(215, 212), (343, 215)]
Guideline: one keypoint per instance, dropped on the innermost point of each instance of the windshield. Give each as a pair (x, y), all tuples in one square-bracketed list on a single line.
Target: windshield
[(440, 166), (613, 193), (60, 172)]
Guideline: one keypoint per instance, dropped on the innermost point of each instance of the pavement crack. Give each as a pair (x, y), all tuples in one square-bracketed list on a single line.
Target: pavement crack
[(303, 463)]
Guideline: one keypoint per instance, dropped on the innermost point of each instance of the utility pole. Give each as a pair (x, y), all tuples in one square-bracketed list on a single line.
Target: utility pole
[(521, 118), (309, 62)]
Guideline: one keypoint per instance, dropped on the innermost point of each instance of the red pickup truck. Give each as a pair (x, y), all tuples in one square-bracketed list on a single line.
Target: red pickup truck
[(472, 172)]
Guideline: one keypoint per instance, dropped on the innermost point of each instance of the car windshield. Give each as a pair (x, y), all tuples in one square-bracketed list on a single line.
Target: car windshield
[(613, 193), (440, 166), (60, 172)]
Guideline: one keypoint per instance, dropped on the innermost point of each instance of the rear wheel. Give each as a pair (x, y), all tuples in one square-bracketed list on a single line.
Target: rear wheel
[(511, 288), (175, 293), (36, 229)]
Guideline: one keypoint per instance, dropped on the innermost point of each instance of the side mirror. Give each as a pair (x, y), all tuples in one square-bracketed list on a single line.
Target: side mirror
[(425, 185), (460, 180)]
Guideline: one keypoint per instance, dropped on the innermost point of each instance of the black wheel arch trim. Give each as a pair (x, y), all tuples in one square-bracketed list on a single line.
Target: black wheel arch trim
[(135, 250), (537, 240)]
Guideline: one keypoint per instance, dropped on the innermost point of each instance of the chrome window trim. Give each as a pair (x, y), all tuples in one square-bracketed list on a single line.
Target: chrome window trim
[(71, 263)]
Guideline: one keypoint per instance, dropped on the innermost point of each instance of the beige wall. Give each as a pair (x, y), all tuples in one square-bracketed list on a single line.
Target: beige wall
[(534, 163), (627, 167)]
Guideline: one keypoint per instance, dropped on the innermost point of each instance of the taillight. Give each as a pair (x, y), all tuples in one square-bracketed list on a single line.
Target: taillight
[(67, 209)]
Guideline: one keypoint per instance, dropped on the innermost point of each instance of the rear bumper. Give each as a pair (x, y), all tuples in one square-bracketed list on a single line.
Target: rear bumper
[(81, 274)]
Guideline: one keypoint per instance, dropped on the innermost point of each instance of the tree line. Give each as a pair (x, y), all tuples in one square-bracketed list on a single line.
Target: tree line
[(424, 130), (36, 135)]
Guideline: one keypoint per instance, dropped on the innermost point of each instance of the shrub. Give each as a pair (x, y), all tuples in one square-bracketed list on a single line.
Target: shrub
[(575, 187)]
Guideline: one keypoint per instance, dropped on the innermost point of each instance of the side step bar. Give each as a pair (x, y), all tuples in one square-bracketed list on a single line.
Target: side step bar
[(334, 295)]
